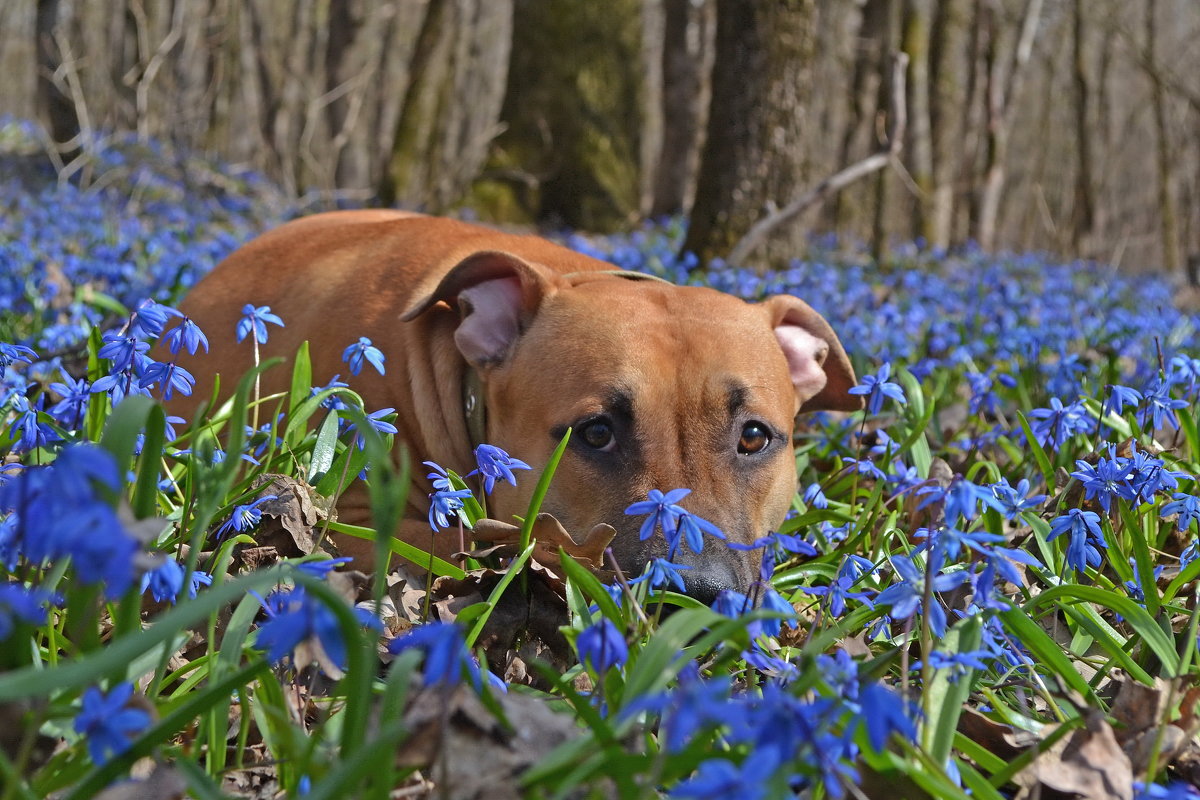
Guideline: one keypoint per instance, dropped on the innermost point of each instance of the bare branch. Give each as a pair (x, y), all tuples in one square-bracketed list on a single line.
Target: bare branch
[(898, 112)]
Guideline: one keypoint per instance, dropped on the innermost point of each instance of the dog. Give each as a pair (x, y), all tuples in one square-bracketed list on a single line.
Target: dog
[(663, 386)]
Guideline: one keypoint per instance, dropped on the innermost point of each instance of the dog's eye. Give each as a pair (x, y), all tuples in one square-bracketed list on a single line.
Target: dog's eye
[(598, 434), (755, 438)]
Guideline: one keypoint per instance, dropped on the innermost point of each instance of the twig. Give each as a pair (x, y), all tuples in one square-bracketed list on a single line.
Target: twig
[(898, 112)]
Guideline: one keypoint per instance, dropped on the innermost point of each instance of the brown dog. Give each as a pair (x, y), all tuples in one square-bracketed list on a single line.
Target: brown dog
[(664, 386)]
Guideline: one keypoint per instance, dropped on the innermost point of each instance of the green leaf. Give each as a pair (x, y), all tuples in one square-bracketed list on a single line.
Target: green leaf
[(1046, 651), (584, 580), (145, 490), (37, 681), (1039, 454), (514, 569), (943, 698), (325, 449), (539, 491), (1135, 616), (403, 549)]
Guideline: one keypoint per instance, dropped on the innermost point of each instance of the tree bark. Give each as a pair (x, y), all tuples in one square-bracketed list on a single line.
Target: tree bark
[(56, 108), (858, 131), (752, 154), (1166, 197), (1002, 91), (1083, 217), (948, 60), (687, 50), (917, 22)]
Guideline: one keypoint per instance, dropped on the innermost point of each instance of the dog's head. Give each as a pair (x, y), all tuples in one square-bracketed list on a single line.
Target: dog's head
[(663, 386)]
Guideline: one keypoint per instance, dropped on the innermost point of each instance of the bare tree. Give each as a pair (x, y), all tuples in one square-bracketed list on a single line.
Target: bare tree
[(1003, 89), (53, 100), (1084, 217)]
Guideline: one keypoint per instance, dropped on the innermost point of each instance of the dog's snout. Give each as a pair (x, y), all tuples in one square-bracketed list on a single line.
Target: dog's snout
[(705, 583)]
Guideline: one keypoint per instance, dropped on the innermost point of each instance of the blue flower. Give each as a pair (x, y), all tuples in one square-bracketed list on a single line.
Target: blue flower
[(838, 592), (956, 664), (814, 496), (75, 395), (446, 502), (774, 601), (1160, 407), (1012, 501), (334, 402), (1057, 424), (1084, 527), (961, 499), (495, 464), (602, 646), (662, 509), (885, 713), (906, 596), (322, 568), (690, 529), (14, 353), (254, 320), (121, 351), (186, 334), (877, 387), (27, 428), (447, 660), (376, 420), (1118, 398), (440, 477), (1187, 506), (173, 378), (363, 349), (245, 517), (720, 778), (20, 604), (294, 617), (1109, 479), (108, 723), (165, 581), (661, 573), (149, 318)]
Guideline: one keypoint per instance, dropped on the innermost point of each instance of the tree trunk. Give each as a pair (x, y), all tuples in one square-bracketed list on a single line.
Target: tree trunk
[(1083, 217), (917, 21), (687, 50), (948, 55), (448, 119), (753, 152), (858, 132), (1002, 92), (55, 106), (570, 153), (1166, 198)]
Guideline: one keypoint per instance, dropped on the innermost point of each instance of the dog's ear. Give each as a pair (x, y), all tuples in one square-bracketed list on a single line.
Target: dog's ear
[(496, 294), (821, 372)]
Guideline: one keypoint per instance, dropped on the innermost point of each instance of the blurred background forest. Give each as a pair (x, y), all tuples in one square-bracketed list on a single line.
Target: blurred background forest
[(1071, 126)]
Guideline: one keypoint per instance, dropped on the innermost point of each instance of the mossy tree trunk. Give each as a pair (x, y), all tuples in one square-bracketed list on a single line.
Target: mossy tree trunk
[(571, 148)]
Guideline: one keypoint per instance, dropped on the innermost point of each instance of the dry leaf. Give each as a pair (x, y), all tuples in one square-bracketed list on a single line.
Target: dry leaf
[(550, 535), (448, 725), (164, 783), (1087, 763), (288, 521)]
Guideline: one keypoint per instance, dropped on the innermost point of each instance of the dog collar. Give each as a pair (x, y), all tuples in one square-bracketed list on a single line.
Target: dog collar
[(474, 409)]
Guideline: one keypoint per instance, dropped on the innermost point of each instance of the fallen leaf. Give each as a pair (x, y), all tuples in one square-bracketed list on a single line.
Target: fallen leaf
[(289, 520), (448, 725), (164, 783), (1087, 763)]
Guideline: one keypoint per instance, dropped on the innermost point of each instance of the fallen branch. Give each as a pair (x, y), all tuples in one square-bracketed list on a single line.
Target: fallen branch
[(898, 112)]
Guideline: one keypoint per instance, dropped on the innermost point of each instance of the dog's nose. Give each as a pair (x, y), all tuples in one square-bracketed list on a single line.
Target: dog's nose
[(705, 583)]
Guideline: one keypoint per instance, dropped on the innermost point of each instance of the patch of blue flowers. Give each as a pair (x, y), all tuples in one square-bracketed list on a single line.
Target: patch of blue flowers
[(1028, 451)]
